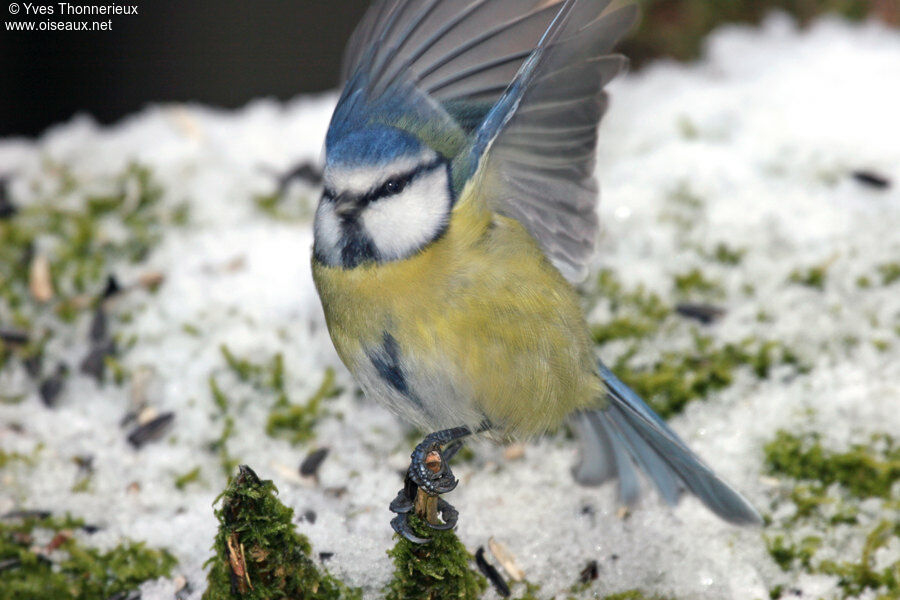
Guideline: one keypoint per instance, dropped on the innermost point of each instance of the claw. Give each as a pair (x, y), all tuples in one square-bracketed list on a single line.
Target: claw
[(448, 513), (400, 523), (401, 504)]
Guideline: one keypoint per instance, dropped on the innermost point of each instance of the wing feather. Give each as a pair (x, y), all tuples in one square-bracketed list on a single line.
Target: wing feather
[(464, 56)]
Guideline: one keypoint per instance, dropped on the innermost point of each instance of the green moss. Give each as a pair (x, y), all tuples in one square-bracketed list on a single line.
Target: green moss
[(637, 313), (257, 553), (73, 570), (679, 378), (438, 570), (813, 277), (863, 472), (84, 236), (296, 422), (825, 488), (696, 283), (220, 444), (890, 273), (726, 255), (183, 480)]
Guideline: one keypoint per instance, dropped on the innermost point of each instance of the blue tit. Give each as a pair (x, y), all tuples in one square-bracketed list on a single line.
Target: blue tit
[(459, 201)]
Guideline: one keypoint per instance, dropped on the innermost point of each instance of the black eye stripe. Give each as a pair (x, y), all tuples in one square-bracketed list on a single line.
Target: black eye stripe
[(397, 184)]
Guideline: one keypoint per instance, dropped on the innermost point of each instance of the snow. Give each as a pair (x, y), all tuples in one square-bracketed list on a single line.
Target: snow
[(766, 130)]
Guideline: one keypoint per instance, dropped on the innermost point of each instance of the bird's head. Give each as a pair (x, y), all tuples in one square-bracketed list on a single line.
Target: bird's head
[(386, 196)]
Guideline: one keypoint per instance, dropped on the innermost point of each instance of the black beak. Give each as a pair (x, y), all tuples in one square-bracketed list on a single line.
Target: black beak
[(346, 206)]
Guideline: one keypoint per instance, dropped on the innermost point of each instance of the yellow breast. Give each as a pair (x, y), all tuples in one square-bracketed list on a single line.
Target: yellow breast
[(484, 310)]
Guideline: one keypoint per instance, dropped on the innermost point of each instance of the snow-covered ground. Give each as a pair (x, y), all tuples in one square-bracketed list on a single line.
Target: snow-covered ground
[(765, 131)]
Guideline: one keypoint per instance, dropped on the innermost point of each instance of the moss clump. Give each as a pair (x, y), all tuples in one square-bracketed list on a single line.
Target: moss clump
[(679, 378), (890, 272), (258, 555), (637, 313), (438, 570), (826, 488), (65, 568), (296, 422), (813, 277), (695, 283), (726, 255), (861, 471)]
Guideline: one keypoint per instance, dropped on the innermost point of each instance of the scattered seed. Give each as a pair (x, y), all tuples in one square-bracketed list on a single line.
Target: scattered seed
[(94, 364), (99, 325), (151, 431), (323, 556), (40, 280), (53, 385), (491, 573), (134, 487), (58, 540), (27, 514), (183, 588), (310, 465), (310, 517), (33, 364), (336, 492), (506, 560), (14, 336), (590, 572), (872, 179), (151, 280), (306, 172), (514, 452), (705, 313), (7, 208), (9, 563), (112, 287)]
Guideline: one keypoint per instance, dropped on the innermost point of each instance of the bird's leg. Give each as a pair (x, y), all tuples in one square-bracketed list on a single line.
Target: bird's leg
[(429, 475)]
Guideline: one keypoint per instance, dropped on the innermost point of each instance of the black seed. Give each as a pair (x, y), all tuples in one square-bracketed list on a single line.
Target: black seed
[(7, 208), (98, 325), (94, 364), (112, 287), (14, 336), (310, 465), (310, 516), (590, 572), (613, 557), (33, 364), (323, 556), (306, 172), (185, 592), (27, 514), (871, 179), (705, 313), (53, 385), (151, 431), (9, 563), (90, 529), (491, 573)]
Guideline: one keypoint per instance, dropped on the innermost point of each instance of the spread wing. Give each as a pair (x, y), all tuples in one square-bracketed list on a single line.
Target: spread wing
[(463, 56)]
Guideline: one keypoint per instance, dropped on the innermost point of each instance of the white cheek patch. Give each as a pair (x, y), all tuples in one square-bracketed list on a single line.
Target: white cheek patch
[(359, 180), (327, 230), (401, 225)]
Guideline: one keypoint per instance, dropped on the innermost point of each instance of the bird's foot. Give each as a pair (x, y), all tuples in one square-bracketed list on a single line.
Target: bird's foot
[(428, 477), (404, 505)]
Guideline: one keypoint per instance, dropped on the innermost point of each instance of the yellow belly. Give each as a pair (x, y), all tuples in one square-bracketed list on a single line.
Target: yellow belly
[(485, 326)]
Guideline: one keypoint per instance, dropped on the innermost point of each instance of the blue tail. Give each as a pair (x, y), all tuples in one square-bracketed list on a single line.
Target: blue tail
[(626, 433)]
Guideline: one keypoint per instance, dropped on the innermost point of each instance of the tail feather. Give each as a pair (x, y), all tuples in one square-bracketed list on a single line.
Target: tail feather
[(627, 433)]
